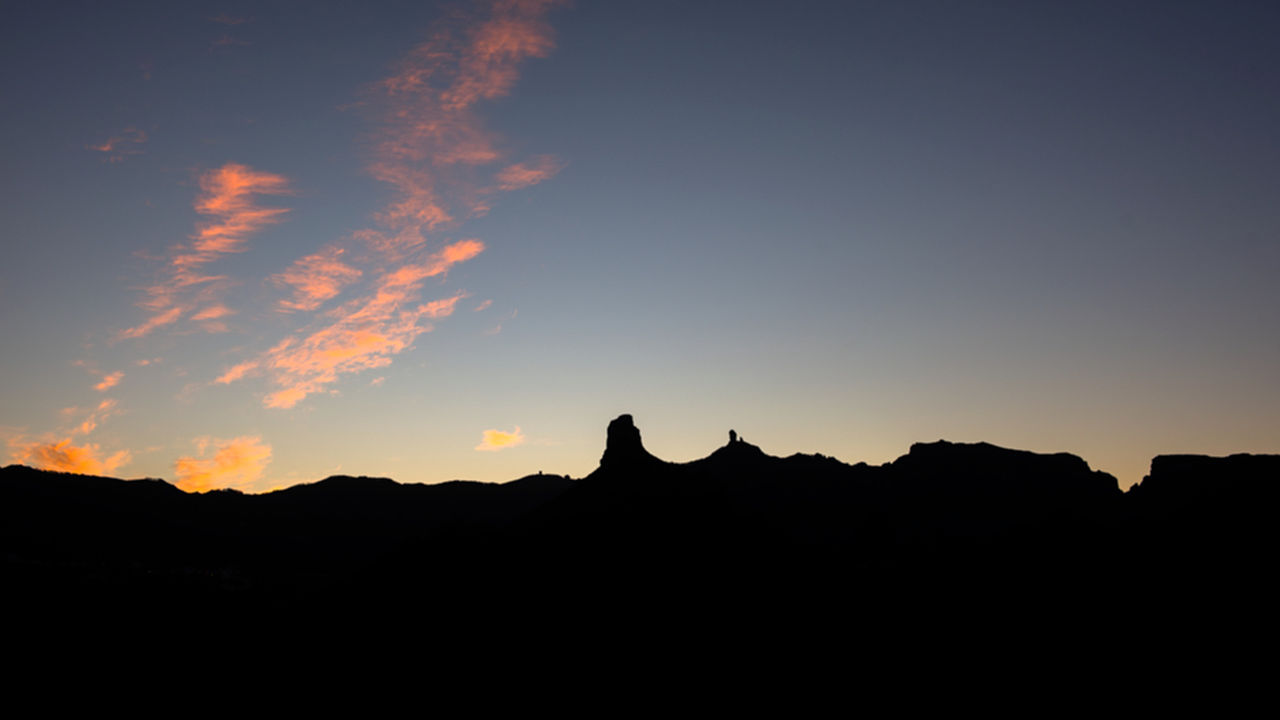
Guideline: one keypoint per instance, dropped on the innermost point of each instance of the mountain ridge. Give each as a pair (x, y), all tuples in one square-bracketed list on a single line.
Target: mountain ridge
[(942, 511)]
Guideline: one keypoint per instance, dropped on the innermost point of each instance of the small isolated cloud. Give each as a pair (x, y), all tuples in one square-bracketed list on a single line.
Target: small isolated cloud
[(236, 463), (482, 306), (109, 381), (118, 147), (500, 440), (65, 457)]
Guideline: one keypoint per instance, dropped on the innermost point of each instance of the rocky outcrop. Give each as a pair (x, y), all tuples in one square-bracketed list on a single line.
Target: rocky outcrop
[(623, 447)]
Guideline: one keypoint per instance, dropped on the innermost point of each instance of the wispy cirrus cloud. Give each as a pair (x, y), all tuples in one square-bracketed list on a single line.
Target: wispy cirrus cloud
[(429, 147), (228, 198), (522, 175), (360, 334), (236, 463), (104, 410), (118, 147), (494, 440)]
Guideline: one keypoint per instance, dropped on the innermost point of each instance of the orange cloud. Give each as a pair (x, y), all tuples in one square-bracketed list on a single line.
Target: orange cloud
[(494, 440), (109, 381), (213, 312), (315, 279), (119, 147), (236, 372), (482, 306), (360, 334), (523, 175), (228, 196), (65, 457), (236, 463), (364, 336), (105, 409)]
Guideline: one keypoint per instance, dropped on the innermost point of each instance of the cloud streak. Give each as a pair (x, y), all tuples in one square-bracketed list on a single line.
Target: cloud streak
[(228, 198), (105, 409), (118, 147), (109, 381), (236, 463), (522, 175)]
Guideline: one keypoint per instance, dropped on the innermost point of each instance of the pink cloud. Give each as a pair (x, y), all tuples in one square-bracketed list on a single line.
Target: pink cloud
[(429, 147), (117, 148), (523, 175), (236, 372), (367, 333), (228, 197), (109, 381), (315, 279)]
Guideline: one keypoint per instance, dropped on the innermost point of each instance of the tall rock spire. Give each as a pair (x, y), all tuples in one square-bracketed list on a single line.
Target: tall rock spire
[(622, 445)]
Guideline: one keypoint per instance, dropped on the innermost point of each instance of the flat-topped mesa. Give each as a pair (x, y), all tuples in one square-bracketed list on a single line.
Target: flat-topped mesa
[(985, 470), (1192, 479), (623, 446)]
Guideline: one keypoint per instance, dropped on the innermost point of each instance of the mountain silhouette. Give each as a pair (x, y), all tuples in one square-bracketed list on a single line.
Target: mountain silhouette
[(951, 543)]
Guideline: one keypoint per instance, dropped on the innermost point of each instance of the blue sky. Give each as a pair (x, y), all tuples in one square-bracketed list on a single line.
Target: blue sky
[(833, 227)]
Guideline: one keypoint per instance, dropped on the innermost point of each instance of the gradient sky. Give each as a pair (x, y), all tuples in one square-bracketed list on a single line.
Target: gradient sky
[(255, 244)]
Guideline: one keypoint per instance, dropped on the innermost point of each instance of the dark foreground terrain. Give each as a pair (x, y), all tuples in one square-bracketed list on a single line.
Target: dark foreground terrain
[(952, 551)]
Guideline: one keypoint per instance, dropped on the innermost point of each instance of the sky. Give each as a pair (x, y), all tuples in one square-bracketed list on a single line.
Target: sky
[(251, 245)]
